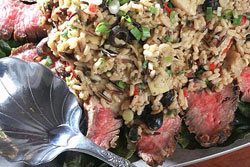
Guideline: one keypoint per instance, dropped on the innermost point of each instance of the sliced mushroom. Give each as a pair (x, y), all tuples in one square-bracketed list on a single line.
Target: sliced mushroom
[(119, 36)]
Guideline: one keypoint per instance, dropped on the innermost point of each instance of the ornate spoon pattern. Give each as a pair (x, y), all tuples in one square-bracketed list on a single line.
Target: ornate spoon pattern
[(39, 116)]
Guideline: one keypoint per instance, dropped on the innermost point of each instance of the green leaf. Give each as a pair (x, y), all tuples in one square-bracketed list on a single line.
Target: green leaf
[(179, 73), (122, 2), (5, 47), (244, 109), (2, 53), (64, 34), (237, 21)]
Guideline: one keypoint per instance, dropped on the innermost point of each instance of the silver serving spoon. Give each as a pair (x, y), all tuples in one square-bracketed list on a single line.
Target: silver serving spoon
[(39, 117)]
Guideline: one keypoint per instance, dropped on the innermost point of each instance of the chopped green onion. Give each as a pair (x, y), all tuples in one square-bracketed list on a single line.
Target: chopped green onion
[(170, 5), (179, 73), (121, 13), (227, 14), (145, 32), (153, 9), (103, 27), (136, 33), (67, 80), (172, 17), (122, 2), (100, 62), (168, 38), (64, 34), (171, 112), (169, 72), (73, 27), (209, 13), (219, 9), (145, 64), (121, 84), (142, 84), (209, 84), (128, 18), (108, 2), (49, 61), (237, 21)]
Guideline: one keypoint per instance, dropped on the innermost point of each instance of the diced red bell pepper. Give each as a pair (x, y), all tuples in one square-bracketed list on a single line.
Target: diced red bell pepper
[(228, 47), (136, 91), (169, 10), (69, 13), (48, 15), (185, 93), (92, 8), (212, 66), (243, 20)]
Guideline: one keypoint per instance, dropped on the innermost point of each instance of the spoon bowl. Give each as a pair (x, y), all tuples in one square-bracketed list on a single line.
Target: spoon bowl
[(39, 117)]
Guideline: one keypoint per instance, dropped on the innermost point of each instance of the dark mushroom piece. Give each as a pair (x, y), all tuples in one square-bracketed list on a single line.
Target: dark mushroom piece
[(133, 133), (119, 36), (42, 47), (153, 121)]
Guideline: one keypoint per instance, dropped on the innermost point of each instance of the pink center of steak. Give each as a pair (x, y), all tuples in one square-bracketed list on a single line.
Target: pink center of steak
[(209, 115), (154, 148), (103, 128), (245, 84), (26, 52), (20, 19)]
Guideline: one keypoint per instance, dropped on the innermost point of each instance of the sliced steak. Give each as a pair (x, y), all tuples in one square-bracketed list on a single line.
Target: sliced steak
[(154, 148), (26, 52), (103, 127), (245, 84), (21, 20), (209, 115)]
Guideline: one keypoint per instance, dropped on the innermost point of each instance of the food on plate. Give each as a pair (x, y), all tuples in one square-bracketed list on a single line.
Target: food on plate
[(103, 127), (154, 148), (209, 115), (149, 67), (20, 20)]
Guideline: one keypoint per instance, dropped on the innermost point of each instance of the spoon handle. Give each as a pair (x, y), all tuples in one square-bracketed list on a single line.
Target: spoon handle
[(88, 147)]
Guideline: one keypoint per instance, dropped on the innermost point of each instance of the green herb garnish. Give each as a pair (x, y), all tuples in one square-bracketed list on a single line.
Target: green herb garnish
[(103, 27), (49, 61), (153, 9), (121, 84), (122, 2), (179, 73), (136, 33), (145, 32), (145, 64), (168, 38), (237, 21), (209, 13), (64, 34), (172, 17), (227, 14), (169, 72)]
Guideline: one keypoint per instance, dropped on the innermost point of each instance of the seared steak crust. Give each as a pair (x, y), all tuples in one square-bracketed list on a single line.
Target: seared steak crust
[(20, 20), (153, 149), (26, 52), (209, 115)]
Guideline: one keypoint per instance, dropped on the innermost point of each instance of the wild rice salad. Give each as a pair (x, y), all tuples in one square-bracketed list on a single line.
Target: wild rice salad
[(141, 58)]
